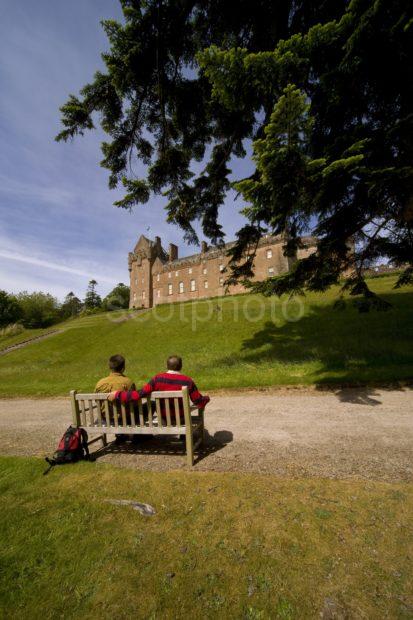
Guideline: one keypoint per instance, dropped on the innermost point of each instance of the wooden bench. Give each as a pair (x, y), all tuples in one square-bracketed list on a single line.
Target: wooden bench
[(130, 419)]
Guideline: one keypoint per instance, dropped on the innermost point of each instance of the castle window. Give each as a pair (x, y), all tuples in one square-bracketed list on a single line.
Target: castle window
[(136, 281), (269, 253), (169, 274), (204, 271), (143, 280), (143, 294), (221, 281), (206, 284), (271, 271), (134, 297), (192, 285), (190, 270), (176, 274), (181, 287), (221, 267), (158, 292), (169, 289), (157, 277)]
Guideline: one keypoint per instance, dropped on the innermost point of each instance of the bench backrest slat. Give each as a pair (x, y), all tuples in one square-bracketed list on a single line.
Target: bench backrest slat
[(99, 412), (150, 413), (158, 412), (117, 413), (132, 414), (107, 411), (168, 412), (177, 411), (169, 394), (123, 414), (90, 411), (83, 412), (103, 395), (140, 409)]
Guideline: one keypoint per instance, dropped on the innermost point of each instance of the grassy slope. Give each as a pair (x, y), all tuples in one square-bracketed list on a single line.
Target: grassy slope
[(324, 346), (26, 334), (228, 546)]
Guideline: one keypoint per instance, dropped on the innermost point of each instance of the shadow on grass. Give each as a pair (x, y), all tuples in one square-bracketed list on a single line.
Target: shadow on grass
[(166, 445), (342, 347)]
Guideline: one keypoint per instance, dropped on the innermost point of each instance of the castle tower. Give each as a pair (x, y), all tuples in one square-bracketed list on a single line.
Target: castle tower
[(140, 263)]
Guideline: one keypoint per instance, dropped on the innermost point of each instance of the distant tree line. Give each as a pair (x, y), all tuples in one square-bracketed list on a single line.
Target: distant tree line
[(40, 309)]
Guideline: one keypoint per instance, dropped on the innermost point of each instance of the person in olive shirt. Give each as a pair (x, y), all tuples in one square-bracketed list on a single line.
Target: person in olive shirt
[(116, 380)]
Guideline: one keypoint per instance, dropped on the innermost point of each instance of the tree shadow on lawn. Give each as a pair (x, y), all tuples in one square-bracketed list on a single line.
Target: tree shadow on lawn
[(167, 445), (342, 347)]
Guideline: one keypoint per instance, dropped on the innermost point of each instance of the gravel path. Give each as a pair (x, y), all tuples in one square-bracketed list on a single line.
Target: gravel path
[(362, 433)]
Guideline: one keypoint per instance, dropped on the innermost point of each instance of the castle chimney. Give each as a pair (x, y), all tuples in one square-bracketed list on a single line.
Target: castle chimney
[(173, 252), (204, 247), (130, 259), (157, 241)]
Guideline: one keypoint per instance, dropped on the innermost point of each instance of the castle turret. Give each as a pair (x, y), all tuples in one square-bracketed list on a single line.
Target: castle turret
[(140, 263)]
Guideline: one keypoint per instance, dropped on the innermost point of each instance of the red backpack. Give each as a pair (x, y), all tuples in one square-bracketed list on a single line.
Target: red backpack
[(72, 447)]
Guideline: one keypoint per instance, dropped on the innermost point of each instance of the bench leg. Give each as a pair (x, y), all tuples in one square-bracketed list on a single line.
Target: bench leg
[(189, 448), (105, 439), (202, 429)]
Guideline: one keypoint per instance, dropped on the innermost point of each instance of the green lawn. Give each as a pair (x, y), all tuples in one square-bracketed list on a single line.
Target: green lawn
[(243, 341), (26, 334), (220, 545)]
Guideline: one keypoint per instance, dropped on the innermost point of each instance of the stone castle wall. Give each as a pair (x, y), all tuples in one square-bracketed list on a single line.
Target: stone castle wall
[(157, 277)]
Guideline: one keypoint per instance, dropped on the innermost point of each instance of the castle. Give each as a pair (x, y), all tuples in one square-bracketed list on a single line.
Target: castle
[(158, 277)]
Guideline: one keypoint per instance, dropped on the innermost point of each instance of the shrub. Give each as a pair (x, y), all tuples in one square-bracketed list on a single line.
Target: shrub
[(118, 298), (39, 309), (10, 309), (12, 330)]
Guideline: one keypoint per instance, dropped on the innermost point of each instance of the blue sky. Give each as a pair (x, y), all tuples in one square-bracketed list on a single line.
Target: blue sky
[(58, 225)]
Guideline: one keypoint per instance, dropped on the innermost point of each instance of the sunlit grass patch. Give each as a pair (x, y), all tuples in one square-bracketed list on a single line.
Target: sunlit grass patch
[(226, 545), (240, 341)]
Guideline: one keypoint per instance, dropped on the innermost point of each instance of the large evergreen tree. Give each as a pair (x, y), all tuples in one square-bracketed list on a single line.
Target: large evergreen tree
[(322, 91), (71, 306), (92, 298)]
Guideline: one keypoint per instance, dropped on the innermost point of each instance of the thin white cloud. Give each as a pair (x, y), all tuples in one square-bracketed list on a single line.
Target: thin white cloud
[(52, 265), (22, 189), (26, 280)]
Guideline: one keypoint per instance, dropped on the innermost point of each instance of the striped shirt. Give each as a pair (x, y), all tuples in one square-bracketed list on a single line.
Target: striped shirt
[(165, 382)]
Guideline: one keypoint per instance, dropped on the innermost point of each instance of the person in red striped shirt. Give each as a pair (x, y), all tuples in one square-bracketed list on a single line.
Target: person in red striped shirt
[(172, 379)]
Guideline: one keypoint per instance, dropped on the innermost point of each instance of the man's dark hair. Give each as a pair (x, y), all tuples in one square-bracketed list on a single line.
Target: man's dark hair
[(174, 362), (117, 363)]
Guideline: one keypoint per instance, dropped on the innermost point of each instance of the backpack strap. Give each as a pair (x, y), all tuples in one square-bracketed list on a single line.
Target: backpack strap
[(84, 440), (68, 436), (51, 462)]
